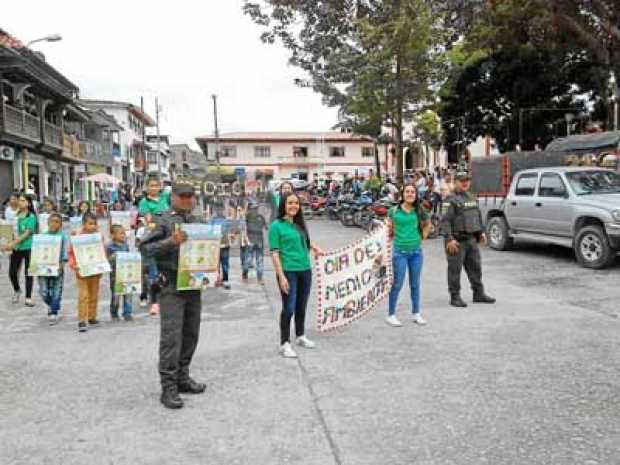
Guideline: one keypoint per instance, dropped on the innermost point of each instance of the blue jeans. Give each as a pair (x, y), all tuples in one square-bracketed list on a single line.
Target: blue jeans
[(401, 260), (247, 254), (295, 303), (225, 262), (50, 290), (115, 300)]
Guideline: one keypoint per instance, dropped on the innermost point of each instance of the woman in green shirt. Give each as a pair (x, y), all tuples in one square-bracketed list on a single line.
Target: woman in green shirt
[(289, 242), (408, 224), (21, 247)]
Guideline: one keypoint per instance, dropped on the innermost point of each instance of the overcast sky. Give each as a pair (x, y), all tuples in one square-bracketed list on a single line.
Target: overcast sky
[(182, 51)]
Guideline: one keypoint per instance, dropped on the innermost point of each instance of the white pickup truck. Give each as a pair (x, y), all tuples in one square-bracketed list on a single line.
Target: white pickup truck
[(574, 207)]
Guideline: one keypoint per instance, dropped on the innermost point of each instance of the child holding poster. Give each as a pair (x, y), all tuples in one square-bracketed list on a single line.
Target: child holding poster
[(88, 285), (408, 224), (50, 287), (116, 245), (289, 242)]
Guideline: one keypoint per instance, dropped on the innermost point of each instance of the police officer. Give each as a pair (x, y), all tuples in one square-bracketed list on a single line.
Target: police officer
[(462, 229), (180, 310)]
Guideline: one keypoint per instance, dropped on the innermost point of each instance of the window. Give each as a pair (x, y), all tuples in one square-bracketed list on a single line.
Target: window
[(152, 157), (551, 185), (262, 151), (368, 151), (336, 151), (229, 151), (184, 155), (526, 185), (300, 152)]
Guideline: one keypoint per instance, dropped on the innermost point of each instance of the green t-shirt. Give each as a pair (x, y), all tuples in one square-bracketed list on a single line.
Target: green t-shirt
[(148, 205), (291, 244), (276, 200), (29, 221), (406, 231)]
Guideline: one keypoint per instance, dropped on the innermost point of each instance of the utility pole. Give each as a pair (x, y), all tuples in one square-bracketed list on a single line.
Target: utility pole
[(157, 108), (217, 138), (143, 144)]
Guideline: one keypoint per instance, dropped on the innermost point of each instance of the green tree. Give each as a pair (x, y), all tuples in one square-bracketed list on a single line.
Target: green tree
[(376, 60)]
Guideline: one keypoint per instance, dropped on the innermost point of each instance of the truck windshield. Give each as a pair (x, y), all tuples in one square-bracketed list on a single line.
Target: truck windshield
[(594, 182)]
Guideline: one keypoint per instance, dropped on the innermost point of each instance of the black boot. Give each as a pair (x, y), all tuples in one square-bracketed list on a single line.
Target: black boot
[(482, 298), (189, 386), (170, 398), (456, 301)]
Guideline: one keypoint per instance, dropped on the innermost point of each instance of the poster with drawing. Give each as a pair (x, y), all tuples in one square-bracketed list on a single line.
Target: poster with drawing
[(43, 223), (90, 254), (128, 279), (199, 257), (45, 255), (122, 218)]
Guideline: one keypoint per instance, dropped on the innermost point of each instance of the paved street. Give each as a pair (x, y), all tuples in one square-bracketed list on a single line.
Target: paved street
[(535, 379)]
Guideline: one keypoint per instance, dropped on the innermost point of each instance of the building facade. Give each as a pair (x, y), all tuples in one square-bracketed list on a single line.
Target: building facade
[(47, 141), (185, 162), (305, 156), (130, 162), (158, 157)]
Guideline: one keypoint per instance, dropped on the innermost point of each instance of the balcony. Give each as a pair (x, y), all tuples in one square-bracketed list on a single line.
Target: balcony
[(20, 123), (53, 136), (71, 146)]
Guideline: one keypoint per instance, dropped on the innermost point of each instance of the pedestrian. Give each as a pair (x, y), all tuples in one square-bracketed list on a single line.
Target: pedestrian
[(21, 248), (88, 286), (118, 243), (463, 230), (220, 219), (83, 207), (255, 224), (180, 310), (285, 188), (11, 208), (48, 206), (154, 203), (408, 224), (51, 287), (290, 243)]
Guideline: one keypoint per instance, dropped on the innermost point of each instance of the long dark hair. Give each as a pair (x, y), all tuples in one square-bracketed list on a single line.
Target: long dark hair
[(298, 219), (30, 203), (417, 204)]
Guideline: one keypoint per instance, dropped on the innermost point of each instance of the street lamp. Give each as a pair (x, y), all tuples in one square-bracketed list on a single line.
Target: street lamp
[(613, 89), (49, 38)]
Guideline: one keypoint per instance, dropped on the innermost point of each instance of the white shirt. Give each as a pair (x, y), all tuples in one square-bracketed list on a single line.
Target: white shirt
[(9, 214)]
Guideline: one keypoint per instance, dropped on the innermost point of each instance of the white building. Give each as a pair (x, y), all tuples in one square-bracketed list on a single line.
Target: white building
[(158, 157), (130, 165), (306, 156)]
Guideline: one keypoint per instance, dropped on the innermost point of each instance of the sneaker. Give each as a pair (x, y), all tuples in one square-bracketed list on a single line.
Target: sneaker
[(114, 318), (287, 351), (82, 327), (28, 303), (16, 297), (417, 319), (52, 319), (154, 310), (227, 286), (306, 343), (244, 277), (393, 321), (93, 322), (127, 317), (260, 282), (144, 303)]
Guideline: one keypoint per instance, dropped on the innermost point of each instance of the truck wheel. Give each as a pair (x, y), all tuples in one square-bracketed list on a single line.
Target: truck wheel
[(592, 248), (498, 235)]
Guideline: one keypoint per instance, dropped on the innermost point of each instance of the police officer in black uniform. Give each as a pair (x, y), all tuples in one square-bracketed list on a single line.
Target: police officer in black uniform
[(180, 311), (463, 230)]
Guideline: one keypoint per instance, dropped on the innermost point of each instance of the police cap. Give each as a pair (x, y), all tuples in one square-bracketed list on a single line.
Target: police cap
[(462, 175), (182, 187)]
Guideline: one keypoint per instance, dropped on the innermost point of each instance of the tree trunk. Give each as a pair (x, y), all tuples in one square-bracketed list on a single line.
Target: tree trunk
[(377, 163), (399, 124)]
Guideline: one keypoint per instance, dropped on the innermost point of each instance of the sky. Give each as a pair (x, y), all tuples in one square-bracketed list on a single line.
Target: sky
[(180, 51)]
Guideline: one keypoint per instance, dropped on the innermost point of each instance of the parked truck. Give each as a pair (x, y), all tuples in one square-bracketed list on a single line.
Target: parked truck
[(567, 195)]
